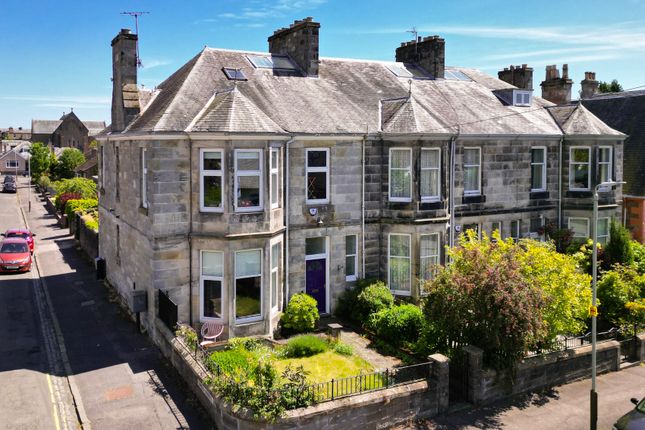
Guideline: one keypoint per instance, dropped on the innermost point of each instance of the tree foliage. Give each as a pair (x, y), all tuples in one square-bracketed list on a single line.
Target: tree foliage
[(506, 298), (610, 87), (617, 288), (39, 162), (85, 188), (619, 248), (69, 160)]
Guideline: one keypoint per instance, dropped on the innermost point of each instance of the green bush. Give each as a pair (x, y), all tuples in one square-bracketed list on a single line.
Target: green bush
[(189, 336), (342, 348), (373, 298), (91, 222), (304, 346), (86, 188), (81, 206), (44, 182), (235, 363), (301, 315), (618, 249), (399, 325), (247, 343)]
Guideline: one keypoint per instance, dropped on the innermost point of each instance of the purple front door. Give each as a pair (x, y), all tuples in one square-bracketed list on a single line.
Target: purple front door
[(316, 282)]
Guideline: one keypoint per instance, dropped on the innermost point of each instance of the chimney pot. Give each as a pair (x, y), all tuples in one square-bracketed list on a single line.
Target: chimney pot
[(428, 53), (521, 77)]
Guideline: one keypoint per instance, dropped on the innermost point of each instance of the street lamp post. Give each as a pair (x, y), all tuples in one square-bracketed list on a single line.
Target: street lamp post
[(594, 311)]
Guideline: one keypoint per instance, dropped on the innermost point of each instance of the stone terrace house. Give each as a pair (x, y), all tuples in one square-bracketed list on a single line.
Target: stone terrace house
[(251, 176)]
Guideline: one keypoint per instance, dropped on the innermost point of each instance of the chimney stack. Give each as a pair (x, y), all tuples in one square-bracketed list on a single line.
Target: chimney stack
[(557, 89), (519, 76), (429, 53), (125, 98), (300, 42), (589, 85)]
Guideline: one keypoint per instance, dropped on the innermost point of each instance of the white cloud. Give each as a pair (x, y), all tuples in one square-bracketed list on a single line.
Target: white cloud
[(267, 9), (152, 63), (62, 100)]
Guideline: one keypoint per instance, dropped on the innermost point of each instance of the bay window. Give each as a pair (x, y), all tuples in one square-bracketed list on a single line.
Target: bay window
[(430, 174), (604, 163), (248, 180), (400, 175), (399, 276), (212, 276), (428, 255), (248, 285)]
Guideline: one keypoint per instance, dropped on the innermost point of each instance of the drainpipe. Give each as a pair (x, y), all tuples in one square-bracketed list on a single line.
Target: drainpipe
[(190, 231), (451, 191), (285, 263), (363, 202), (560, 172)]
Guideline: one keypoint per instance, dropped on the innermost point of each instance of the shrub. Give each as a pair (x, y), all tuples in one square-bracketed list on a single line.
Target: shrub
[(235, 363), (44, 182), (91, 222), (373, 298), (618, 249), (81, 206), (304, 346), (247, 343), (342, 348), (301, 315), (61, 200), (85, 187), (639, 257), (399, 325), (189, 335), (616, 288)]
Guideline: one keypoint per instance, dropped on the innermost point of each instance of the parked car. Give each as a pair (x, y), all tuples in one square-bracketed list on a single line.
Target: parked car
[(15, 255), (9, 187), (9, 178), (22, 233), (634, 420)]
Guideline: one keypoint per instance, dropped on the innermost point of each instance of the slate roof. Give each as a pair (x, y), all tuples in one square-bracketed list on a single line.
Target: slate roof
[(345, 99), (575, 119), (44, 126), (626, 112), (87, 165)]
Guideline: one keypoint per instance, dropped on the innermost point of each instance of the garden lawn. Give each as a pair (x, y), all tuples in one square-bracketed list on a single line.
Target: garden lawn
[(326, 366)]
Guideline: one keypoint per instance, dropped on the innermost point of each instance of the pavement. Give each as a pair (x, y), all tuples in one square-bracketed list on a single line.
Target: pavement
[(70, 357)]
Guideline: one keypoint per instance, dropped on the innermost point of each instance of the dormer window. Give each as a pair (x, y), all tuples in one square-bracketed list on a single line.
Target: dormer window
[(521, 98)]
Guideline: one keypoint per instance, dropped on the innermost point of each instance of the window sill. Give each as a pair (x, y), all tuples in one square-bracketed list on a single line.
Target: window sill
[(428, 206), (248, 321), (401, 293), (538, 195), (211, 210), (316, 202), (475, 198), (249, 210), (350, 279)]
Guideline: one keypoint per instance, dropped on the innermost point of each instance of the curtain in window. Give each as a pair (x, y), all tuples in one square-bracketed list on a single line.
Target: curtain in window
[(400, 278), (212, 263), (430, 173), (400, 174)]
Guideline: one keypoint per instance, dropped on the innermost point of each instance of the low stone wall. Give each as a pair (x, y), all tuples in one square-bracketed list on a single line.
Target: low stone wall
[(380, 409), (89, 240), (640, 351), (535, 373)]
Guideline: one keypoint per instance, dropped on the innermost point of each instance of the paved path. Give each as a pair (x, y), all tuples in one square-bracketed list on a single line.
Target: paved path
[(114, 376), (361, 346), (564, 407)]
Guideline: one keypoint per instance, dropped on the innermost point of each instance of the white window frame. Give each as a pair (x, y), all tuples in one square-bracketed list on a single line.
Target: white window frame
[(316, 169), (11, 164), (586, 236), (320, 256), (278, 287), (144, 178), (252, 318), (478, 191), (499, 228), (203, 173), (244, 173), (436, 197), (409, 170), (609, 163), (354, 254), (203, 278), (389, 265), (572, 170), (274, 177), (436, 256), (543, 185), (608, 235)]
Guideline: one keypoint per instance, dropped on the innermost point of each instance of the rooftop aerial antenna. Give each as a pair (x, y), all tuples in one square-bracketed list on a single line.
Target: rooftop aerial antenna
[(136, 16), (414, 31)]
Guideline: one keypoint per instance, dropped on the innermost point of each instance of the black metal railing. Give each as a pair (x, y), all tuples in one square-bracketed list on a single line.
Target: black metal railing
[(564, 343), (167, 310)]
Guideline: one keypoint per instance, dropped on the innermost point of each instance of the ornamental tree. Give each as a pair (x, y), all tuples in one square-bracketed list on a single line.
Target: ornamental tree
[(39, 162), (69, 160)]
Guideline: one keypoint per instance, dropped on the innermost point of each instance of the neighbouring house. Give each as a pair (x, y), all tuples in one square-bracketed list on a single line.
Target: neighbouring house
[(17, 133), (67, 132), (251, 176), (625, 111), (14, 162)]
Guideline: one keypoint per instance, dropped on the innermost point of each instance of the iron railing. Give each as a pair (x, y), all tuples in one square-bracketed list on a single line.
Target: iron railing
[(564, 343), (167, 310)]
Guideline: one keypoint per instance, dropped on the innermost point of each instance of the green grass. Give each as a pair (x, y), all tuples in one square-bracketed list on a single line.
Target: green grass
[(326, 366)]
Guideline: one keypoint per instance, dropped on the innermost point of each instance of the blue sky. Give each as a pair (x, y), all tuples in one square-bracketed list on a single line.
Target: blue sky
[(56, 54)]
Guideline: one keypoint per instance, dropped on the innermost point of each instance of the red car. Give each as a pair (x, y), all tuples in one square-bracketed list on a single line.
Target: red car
[(15, 255), (22, 233)]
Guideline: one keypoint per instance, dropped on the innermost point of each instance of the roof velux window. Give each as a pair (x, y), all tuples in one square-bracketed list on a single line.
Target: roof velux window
[(405, 70), (234, 74), (276, 62), (455, 75)]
